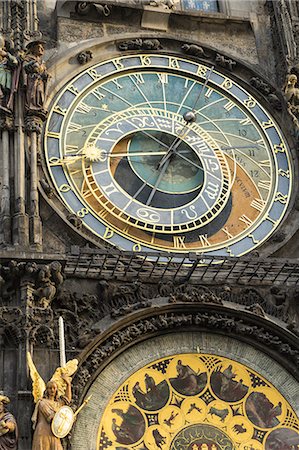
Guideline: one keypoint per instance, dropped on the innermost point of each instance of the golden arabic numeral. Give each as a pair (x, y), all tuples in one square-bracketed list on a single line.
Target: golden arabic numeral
[(82, 212), (136, 248), (94, 74), (284, 173), (64, 188), (108, 233), (249, 102), (279, 148), (279, 197), (202, 71), (268, 124), (145, 60), (227, 84), (174, 63), (179, 241), (60, 110), (118, 64)]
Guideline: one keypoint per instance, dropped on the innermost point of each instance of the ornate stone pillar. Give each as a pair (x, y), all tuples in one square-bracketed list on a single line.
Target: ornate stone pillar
[(6, 126), (33, 126), (20, 218)]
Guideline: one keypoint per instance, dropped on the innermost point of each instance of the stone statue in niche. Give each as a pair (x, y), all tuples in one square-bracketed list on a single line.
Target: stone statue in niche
[(8, 82), (35, 77), (8, 427)]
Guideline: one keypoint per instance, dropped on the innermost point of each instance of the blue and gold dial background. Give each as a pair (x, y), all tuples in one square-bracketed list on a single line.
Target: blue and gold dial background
[(223, 191)]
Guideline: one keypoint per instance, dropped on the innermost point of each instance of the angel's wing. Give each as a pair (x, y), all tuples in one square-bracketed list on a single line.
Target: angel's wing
[(38, 384), (69, 369)]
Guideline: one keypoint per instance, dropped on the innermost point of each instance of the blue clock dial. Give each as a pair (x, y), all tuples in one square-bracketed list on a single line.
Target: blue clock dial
[(124, 157)]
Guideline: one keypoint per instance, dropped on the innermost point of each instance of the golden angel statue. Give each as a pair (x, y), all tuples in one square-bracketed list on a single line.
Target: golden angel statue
[(49, 400)]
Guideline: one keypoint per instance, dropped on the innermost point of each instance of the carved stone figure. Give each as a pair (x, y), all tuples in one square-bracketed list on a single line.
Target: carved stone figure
[(8, 427), (49, 399), (8, 64), (35, 77), (194, 50), (291, 92), (166, 3), (84, 57), (227, 63), (48, 279), (138, 44)]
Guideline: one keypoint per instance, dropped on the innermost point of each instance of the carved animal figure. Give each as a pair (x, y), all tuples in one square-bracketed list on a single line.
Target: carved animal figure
[(194, 50), (225, 62), (221, 413)]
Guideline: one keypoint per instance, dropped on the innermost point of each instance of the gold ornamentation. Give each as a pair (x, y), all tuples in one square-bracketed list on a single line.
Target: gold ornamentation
[(197, 402)]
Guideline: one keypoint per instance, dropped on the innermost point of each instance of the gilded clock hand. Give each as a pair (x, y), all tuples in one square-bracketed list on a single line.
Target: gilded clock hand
[(189, 117)]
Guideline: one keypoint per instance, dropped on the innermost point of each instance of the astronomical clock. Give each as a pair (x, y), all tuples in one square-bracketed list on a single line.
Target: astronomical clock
[(197, 402), (156, 152)]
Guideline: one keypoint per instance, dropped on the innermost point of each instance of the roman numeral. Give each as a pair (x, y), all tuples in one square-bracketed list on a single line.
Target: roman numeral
[(71, 149), (229, 105), (204, 240), (228, 234), (258, 204), (209, 93), (116, 83), (98, 94), (74, 127), (245, 121), (163, 78), (245, 220), (138, 77), (264, 184), (82, 108), (179, 241)]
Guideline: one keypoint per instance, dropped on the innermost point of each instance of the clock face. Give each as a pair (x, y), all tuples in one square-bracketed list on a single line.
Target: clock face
[(155, 152)]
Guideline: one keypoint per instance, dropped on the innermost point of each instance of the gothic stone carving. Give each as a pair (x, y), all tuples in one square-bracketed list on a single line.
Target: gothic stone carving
[(194, 50), (84, 57), (120, 300), (225, 62), (49, 278), (291, 94), (35, 78), (88, 7), (267, 91), (175, 320), (140, 44), (8, 77)]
